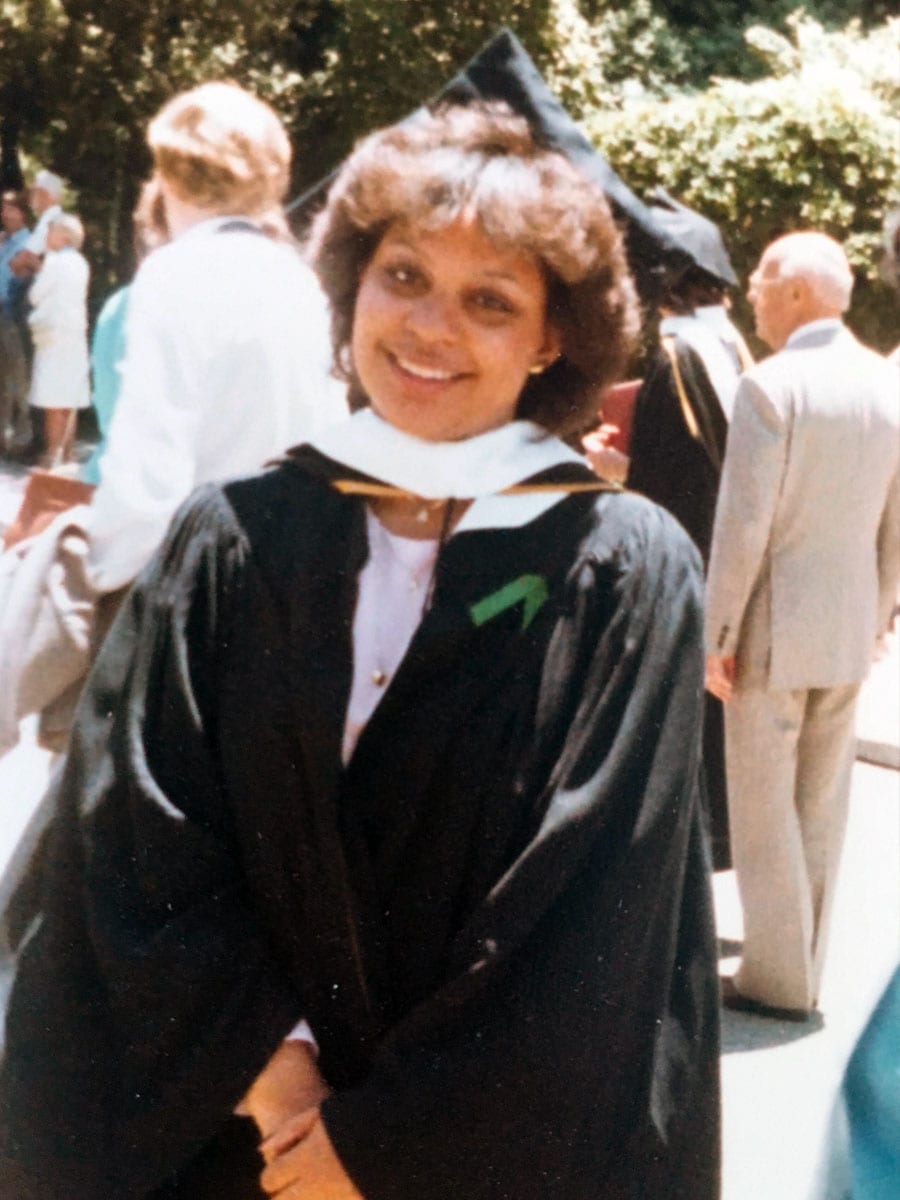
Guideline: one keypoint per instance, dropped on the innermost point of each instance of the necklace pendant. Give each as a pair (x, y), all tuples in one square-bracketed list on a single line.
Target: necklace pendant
[(379, 678)]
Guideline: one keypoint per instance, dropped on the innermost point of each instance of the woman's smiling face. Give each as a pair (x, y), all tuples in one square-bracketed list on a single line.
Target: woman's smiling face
[(446, 328)]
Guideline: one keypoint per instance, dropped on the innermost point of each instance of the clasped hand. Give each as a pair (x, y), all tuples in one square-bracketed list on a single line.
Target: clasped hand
[(284, 1100)]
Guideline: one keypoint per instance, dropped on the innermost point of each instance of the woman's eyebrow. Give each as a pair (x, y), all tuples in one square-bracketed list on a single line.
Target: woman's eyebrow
[(500, 275), (397, 241)]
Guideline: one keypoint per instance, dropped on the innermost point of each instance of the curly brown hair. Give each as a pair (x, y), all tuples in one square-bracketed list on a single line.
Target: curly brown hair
[(483, 162)]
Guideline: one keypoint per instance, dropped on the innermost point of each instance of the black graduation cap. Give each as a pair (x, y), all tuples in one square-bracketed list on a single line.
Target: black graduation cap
[(502, 70), (695, 234)]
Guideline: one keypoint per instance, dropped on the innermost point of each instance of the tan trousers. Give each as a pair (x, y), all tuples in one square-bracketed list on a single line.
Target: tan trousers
[(789, 756)]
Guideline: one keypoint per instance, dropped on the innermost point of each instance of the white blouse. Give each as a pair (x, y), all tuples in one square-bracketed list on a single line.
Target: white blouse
[(394, 588), (59, 297)]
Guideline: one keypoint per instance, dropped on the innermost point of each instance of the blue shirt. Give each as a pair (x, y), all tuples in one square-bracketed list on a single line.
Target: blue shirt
[(107, 354), (9, 284)]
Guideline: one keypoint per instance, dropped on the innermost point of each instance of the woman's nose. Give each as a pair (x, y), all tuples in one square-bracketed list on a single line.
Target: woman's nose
[(434, 317)]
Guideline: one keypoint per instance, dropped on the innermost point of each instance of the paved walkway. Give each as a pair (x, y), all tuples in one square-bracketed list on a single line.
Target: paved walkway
[(783, 1138), (12, 484)]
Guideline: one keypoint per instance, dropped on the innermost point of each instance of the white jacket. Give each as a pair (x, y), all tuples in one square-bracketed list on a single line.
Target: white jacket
[(227, 365)]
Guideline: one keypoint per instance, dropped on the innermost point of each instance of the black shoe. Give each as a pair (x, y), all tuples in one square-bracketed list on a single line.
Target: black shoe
[(738, 1002)]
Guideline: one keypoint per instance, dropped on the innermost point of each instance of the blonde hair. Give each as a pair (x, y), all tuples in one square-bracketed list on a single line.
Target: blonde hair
[(219, 147), (149, 225), (72, 229)]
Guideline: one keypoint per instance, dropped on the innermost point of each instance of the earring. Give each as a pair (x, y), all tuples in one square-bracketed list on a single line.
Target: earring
[(540, 368)]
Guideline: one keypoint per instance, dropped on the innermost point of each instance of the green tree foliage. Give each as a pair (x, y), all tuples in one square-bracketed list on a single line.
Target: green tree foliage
[(26, 33), (713, 31), (596, 56), (812, 145), (80, 78), (390, 56)]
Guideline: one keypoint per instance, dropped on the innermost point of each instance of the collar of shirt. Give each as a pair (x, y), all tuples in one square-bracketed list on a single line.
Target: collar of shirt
[(702, 333), (717, 318), (475, 468), (819, 326), (212, 225)]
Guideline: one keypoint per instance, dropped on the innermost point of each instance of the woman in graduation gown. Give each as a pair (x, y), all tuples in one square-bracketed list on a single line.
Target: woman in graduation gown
[(393, 749), (681, 413)]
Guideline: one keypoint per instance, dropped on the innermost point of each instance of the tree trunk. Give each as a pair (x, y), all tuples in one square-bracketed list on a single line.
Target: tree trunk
[(11, 177)]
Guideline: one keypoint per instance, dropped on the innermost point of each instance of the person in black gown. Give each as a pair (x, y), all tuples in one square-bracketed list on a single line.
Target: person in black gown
[(680, 426), (378, 865)]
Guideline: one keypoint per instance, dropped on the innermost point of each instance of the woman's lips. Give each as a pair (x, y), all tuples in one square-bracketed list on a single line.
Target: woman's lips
[(424, 372)]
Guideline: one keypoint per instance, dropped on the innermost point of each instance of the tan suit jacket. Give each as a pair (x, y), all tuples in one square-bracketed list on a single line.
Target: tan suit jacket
[(805, 556)]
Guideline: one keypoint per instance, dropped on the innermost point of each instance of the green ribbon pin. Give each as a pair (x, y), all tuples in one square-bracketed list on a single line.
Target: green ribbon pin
[(531, 589)]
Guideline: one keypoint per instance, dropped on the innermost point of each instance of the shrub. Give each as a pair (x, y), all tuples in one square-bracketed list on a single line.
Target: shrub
[(813, 145)]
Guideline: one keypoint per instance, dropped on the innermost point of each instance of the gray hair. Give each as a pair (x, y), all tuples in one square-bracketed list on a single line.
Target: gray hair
[(821, 262), (71, 227)]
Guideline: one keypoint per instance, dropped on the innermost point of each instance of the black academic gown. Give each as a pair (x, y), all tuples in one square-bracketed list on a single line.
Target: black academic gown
[(680, 469), (674, 465), (496, 918)]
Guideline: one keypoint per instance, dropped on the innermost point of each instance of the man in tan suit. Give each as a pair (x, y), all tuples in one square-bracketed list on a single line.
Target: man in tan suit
[(802, 581)]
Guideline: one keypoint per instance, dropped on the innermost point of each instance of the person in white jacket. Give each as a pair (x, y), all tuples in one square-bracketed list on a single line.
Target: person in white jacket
[(227, 353), (58, 322)]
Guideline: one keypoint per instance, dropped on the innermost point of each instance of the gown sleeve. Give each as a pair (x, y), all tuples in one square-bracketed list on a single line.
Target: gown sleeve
[(146, 890), (575, 1052)]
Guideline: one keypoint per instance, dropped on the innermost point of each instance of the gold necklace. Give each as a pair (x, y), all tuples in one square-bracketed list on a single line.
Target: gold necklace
[(426, 508), (417, 581), (379, 676)]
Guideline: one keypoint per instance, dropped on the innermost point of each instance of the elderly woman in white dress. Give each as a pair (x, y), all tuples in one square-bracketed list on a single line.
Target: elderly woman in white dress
[(58, 321)]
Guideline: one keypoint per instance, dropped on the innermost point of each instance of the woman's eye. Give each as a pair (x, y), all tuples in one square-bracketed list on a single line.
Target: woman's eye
[(402, 274), (493, 302)]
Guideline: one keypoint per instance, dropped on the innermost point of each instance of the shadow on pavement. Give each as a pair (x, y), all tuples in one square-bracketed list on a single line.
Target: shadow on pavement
[(12, 469), (742, 1032)]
